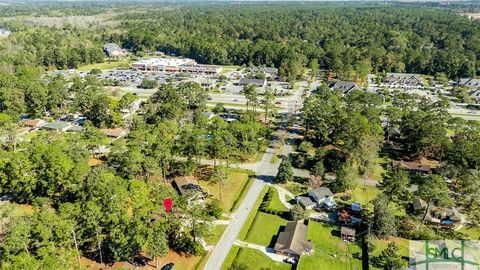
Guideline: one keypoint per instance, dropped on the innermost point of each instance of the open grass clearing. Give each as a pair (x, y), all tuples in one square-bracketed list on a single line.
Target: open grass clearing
[(264, 229), (330, 250), (252, 259), (106, 65)]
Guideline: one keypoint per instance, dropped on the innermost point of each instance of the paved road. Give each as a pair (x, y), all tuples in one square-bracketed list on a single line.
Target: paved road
[(265, 172)]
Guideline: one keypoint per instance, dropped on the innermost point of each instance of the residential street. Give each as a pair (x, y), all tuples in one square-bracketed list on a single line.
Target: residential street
[(265, 172)]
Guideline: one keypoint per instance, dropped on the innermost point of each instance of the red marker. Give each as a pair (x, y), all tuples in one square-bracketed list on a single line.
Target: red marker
[(167, 203)]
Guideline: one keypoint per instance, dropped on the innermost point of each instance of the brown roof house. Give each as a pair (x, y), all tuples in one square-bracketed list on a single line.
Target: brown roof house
[(292, 241), (347, 234), (114, 132), (34, 123), (418, 165), (186, 185)]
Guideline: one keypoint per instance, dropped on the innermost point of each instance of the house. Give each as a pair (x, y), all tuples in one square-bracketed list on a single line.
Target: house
[(344, 86), (417, 165), (350, 216), (33, 123), (469, 82), (185, 184), (418, 205), (113, 50), (5, 32), (114, 132), (319, 195), (292, 241), (75, 128), (57, 125), (347, 234), (305, 202), (403, 80), (256, 82), (443, 217), (475, 95)]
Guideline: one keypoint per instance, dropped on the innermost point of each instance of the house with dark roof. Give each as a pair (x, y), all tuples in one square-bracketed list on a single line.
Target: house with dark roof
[(186, 184), (403, 80), (469, 82), (292, 241), (475, 95), (306, 202), (256, 82), (319, 195), (344, 86)]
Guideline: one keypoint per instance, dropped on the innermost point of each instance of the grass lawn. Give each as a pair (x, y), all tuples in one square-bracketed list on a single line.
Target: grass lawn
[(232, 188), (251, 217), (253, 259), (217, 233), (361, 194), (106, 65), (326, 243), (382, 244), (379, 170), (471, 233), (264, 229), (295, 188), (275, 203)]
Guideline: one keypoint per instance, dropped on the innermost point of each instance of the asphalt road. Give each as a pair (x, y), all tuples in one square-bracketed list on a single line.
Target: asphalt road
[(265, 172)]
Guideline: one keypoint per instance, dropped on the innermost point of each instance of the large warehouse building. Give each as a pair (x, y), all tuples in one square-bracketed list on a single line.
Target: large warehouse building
[(174, 65)]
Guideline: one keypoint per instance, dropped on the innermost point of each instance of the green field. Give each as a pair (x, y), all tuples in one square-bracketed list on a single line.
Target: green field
[(362, 194), (232, 188), (251, 217), (106, 65), (217, 233), (264, 229), (330, 250), (252, 259), (275, 203)]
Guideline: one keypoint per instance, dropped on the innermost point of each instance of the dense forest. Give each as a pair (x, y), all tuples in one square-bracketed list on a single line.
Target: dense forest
[(349, 40)]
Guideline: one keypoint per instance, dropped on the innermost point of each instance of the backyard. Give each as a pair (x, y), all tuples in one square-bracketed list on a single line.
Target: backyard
[(264, 229), (330, 250), (252, 259)]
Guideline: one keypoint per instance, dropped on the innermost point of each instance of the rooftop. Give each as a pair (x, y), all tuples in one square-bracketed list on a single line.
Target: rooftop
[(165, 61), (57, 125), (293, 238)]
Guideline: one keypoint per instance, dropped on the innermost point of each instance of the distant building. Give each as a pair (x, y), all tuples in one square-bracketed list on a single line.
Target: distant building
[(33, 123), (113, 50), (57, 125), (306, 202), (114, 132), (469, 82), (403, 80), (347, 234), (175, 65), (185, 184), (292, 241), (475, 95), (418, 165), (256, 82), (344, 86), (5, 32)]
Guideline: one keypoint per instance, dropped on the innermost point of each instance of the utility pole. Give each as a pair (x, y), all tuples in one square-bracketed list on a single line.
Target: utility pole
[(76, 247)]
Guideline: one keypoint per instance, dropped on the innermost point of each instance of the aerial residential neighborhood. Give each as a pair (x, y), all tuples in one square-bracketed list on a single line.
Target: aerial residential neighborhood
[(239, 135)]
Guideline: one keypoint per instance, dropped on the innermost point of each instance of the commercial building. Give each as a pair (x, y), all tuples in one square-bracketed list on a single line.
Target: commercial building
[(113, 50), (174, 65)]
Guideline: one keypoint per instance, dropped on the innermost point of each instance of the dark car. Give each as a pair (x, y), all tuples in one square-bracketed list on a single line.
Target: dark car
[(168, 266)]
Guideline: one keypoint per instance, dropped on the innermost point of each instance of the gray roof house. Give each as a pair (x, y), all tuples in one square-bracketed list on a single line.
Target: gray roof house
[(475, 95), (344, 86), (320, 194), (403, 79), (305, 202), (57, 125), (113, 50), (469, 82), (292, 241), (256, 82)]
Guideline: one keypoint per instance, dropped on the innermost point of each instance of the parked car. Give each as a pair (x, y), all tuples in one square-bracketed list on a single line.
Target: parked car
[(290, 260), (168, 266)]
